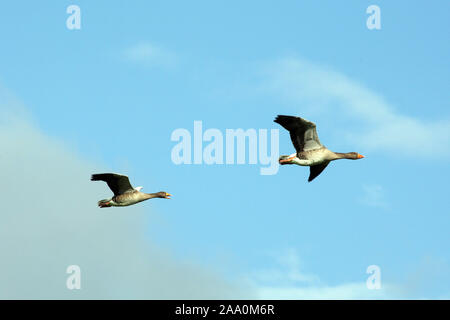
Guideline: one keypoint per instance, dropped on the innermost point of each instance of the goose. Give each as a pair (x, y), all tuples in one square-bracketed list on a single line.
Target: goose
[(310, 152), (124, 193)]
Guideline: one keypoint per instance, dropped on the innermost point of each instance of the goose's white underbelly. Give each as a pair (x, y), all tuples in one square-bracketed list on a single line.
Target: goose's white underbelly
[(306, 162), (127, 199), (123, 204), (313, 158)]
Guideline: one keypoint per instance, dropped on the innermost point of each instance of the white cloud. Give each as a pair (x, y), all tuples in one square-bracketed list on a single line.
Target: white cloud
[(289, 281), (374, 196), (288, 272), (150, 55), (347, 291), (376, 125), (50, 220)]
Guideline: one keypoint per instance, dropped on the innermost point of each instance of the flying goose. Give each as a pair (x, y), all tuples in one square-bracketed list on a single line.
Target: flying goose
[(310, 152), (124, 193)]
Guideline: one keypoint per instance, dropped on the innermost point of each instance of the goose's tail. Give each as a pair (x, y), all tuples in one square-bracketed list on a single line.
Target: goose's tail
[(105, 203)]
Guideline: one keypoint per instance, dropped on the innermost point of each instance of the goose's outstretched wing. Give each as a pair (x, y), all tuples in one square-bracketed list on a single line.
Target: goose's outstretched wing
[(314, 171), (303, 132), (118, 183)]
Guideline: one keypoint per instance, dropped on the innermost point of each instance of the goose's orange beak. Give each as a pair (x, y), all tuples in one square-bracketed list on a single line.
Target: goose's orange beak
[(168, 195), (360, 156)]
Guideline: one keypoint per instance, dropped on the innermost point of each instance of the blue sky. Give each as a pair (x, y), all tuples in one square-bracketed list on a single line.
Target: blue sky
[(114, 91)]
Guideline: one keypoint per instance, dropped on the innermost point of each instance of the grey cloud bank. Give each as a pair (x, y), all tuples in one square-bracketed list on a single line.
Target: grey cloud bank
[(49, 220)]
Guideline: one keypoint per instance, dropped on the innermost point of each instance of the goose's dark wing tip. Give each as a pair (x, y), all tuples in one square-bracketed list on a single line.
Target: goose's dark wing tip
[(311, 177), (293, 122), (96, 177), (279, 118), (100, 176), (116, 182), (285, 122), (317, 169)]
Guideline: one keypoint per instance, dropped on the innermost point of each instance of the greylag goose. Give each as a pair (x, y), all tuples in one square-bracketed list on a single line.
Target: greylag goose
[(310, 152), (124, 193)]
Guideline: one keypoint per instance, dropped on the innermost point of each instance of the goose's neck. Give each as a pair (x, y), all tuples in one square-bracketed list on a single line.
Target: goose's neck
[(338, 155), (147, 196)]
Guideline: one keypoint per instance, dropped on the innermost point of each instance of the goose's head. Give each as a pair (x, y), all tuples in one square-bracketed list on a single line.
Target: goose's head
[(354, 156), (163, 194)]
